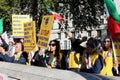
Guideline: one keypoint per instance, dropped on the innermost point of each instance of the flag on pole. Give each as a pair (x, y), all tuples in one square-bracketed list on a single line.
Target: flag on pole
[(113, 28), (117, 4), (30, 54), (30, 57), (106, 11), (56, 15), (5, 37), (1, 26)]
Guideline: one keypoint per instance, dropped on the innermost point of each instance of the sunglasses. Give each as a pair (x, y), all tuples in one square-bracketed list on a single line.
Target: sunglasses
[(52, 44), (107, 41)]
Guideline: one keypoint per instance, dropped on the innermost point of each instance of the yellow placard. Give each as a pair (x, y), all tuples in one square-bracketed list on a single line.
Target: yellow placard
[(17, 24), (45, 30), (29, 36), (116, 42)]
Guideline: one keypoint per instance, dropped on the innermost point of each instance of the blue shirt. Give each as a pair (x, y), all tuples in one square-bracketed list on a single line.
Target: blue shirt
[(6, 58)]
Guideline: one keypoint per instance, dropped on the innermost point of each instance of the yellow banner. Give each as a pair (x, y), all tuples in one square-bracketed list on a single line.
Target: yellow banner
[(29, 36), (45, 30), (117, 48), (17, 24)]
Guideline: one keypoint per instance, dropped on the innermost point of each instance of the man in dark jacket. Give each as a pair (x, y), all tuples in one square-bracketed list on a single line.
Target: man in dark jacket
[(19, 56)]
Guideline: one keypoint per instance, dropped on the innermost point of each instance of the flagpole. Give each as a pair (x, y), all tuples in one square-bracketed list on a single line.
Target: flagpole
[(30, 57), (62, 27), (113, 46), (115, 58)]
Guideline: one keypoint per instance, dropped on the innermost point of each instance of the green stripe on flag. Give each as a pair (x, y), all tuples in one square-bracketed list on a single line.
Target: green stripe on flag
[(1, 26)]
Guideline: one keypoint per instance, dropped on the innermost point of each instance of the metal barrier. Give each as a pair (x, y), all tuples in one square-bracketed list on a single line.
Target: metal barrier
[(26, 72)]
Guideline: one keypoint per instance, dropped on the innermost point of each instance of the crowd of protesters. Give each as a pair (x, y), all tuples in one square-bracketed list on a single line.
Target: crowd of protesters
[(87, 55)]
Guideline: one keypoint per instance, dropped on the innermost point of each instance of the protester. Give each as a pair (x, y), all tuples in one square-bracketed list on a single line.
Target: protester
[(73, 60), (39, 58), (107, 54), (53, 55), (19, 57), (76, 43), (51, 58), (92, 61)]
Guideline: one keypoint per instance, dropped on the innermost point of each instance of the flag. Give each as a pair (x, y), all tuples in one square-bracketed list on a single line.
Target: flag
[(56, 15), (113, 27), (31, 53), (1, 26), (29, 57), (106, 11), (117, 4), (5, 37)]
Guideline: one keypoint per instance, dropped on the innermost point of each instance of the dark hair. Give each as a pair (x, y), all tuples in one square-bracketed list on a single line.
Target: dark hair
[(95, 43), (57, 51), (22, 46), (25, 55), (103, 45), (75, 45), (84, 38)]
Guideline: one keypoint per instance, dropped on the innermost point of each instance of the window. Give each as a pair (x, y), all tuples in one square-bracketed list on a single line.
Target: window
[(73, 34), (89, 33), (59, 35), (101, 21), (98, 33), (65, 44)]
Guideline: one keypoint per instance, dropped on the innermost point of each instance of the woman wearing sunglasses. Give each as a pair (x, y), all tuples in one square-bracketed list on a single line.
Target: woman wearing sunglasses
[(92, 61), (107, 54), (50, 58), (53, 58)]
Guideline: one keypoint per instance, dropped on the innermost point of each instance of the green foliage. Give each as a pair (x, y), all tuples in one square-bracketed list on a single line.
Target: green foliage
[(35, 8), (86, 13), (5, 15)]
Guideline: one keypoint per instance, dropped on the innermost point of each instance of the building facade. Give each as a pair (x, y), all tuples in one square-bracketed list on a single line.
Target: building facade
[(58, 30)]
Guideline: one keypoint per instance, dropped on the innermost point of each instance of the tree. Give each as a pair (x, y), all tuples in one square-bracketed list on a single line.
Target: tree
[(5, 15), (7, 8), (85, 13), (35, 8)]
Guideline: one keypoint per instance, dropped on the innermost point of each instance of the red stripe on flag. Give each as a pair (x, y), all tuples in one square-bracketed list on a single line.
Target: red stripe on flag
[(113, 28), (56, 15)]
